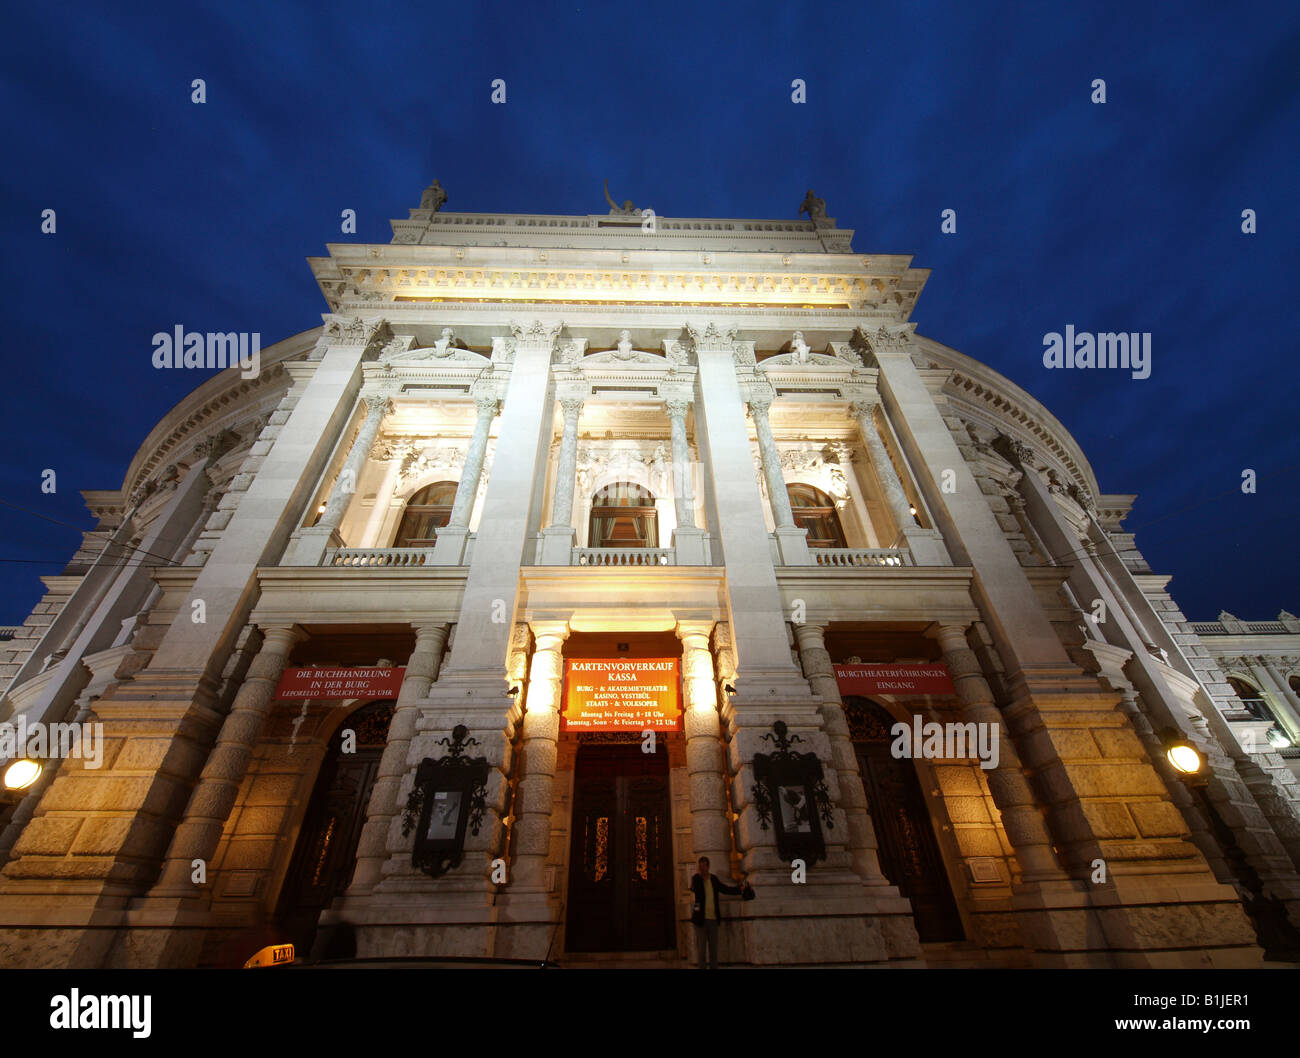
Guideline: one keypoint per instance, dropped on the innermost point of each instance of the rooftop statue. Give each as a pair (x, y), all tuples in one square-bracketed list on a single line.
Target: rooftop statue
[(627, 209), (815, 207), (433, 198)]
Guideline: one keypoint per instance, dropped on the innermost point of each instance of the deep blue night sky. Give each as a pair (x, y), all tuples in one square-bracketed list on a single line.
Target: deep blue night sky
[(1122, 217)]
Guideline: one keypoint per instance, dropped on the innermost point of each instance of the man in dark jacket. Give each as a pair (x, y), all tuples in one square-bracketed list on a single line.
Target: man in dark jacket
[(705, 889)]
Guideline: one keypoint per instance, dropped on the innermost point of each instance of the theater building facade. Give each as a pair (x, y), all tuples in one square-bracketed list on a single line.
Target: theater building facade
[(570, 549)]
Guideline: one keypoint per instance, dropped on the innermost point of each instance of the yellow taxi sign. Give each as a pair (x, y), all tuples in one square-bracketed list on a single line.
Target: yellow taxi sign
[(271, 955)]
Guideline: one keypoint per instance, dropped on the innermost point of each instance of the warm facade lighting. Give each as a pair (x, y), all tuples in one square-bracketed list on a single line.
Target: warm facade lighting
[(1184, 757), (21, 774)]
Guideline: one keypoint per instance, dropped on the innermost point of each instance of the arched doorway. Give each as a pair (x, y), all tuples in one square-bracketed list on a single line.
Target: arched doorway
[(908, 851), (425, 513), (815, 511), (326, 852), (623, 515)]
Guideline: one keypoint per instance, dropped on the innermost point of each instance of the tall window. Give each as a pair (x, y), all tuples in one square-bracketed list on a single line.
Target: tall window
[(1251, 699), (426, 512), (623, 515), (815, 511)]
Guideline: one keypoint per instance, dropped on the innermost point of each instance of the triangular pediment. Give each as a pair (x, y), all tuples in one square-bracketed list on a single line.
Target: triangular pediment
[(621, 358), (433, 354)]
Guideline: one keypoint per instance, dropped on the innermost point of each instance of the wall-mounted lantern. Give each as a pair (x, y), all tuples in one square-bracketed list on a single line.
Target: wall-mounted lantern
[(790, 793), (447, 800)]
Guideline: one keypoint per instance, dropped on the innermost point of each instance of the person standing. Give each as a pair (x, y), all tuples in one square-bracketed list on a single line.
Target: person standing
[(705, 912)]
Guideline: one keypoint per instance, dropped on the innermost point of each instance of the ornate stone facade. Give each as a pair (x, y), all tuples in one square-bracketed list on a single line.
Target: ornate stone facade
[(713, 440)]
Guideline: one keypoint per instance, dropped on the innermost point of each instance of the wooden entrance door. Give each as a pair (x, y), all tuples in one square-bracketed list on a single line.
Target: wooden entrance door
[(909, 854), (620, 857), (326, 853)]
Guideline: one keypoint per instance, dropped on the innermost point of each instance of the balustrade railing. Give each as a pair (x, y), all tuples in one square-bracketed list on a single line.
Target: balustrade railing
[(857, 556), (379, 556), (623, 556)]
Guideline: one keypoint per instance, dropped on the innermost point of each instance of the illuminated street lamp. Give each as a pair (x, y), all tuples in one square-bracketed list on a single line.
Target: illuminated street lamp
[(1184, 757), (22, 773)]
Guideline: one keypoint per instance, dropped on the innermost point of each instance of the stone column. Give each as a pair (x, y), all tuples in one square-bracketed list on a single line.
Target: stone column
[(558, 537), (777, 495), (926, 545), (1024, 824), (895, 497), (820, 673), (383, 498), (449, 546), (209, 806), (313, 540), (792, 542), (467, 488), (688, 539), (683, 500), (541, 733), (705, 764), (382, 832)]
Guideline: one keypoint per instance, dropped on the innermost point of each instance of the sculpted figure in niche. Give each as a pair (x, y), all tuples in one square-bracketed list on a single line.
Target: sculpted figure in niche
[(624, 345), (444, 345), (815, 207), (433, 198), (799, 347)]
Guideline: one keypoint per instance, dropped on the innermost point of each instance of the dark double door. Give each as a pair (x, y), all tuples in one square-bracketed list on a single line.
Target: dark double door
[(908, 852), (325, 855), (620, 857)]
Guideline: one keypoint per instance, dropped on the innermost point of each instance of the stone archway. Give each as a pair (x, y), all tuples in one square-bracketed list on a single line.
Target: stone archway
[(906, 844)]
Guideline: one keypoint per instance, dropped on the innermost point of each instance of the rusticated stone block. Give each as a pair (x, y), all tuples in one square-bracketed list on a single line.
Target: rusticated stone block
[(977, 841), (957, 781), (141, 754), (1119, 742), (248, 853), (47, 836), (967, 809), (1114, 780), (1158, 819), (1109, 819), (110, 836)]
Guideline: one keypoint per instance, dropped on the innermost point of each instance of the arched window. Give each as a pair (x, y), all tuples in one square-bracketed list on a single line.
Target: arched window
[(426, 512), (815, 511), (623, 515), (1251, 699)]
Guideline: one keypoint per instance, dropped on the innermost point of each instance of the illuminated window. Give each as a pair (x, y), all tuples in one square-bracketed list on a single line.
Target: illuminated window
[(815, 511), (623, 515), (426, 512), (1251, 699)]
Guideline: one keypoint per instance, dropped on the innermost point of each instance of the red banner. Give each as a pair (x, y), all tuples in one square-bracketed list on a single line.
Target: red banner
[(894, 679), (621, 694), (340, 683)]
